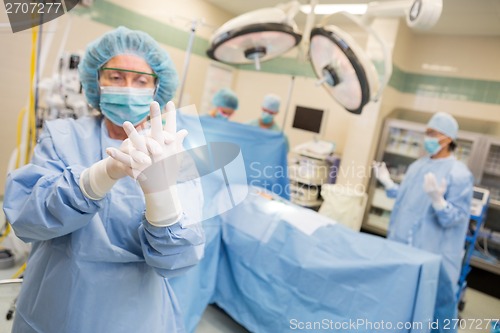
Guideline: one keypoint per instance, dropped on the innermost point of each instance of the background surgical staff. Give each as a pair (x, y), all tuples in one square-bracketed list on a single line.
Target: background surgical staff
[(103, 243), (432, 205), (225, 104), (270, 108)]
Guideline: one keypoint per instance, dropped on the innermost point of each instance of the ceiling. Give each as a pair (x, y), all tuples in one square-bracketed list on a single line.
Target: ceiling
[(459, 17)]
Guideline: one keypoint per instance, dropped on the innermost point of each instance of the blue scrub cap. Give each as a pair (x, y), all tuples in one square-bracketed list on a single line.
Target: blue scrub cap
[(125, 41), (225, 98), (444, 123), (271, 102)]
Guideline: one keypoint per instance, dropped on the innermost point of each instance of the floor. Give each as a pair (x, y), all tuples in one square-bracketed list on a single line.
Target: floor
[(478, 307), (215, 320)]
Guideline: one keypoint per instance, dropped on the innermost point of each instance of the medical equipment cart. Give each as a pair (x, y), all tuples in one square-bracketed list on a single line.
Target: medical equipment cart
[(479, 208)]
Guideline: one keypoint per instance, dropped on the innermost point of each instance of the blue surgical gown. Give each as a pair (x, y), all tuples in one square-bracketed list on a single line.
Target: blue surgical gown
[(273, 127), (95, 266), (415, 222)]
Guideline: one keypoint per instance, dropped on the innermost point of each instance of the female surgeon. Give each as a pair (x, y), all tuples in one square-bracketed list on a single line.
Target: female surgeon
[(100, 202), (432, 207)]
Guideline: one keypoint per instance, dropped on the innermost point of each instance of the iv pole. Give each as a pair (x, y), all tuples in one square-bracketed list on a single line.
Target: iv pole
[(288, 99), (194, 26), (302, 56)]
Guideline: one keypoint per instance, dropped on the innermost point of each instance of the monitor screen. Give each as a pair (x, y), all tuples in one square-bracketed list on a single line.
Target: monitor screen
[(308, 119), (478, 195)]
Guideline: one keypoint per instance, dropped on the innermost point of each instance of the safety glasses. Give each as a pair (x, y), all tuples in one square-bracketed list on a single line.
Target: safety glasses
[(127, 77)]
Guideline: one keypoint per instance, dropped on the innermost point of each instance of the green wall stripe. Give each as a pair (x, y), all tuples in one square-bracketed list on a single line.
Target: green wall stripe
[(112, 15), (453, 88)]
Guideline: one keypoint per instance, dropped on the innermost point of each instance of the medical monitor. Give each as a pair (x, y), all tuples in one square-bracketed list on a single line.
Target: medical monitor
[(308, 119)]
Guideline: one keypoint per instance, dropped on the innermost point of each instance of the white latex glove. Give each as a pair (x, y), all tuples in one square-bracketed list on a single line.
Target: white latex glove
[(435, 191), (157, 174), (382, 174), (99, 178)]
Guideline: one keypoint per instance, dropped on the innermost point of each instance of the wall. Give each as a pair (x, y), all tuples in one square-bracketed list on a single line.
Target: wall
[(459, 76)]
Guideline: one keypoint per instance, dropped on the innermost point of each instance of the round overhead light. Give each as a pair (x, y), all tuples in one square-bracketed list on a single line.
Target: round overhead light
[(345, 71), (254, 37)]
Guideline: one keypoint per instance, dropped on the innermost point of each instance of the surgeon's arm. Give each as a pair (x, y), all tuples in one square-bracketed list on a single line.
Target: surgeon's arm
[(392, 192), (383, 176), (43, 199), (458, 198), (173, 249)]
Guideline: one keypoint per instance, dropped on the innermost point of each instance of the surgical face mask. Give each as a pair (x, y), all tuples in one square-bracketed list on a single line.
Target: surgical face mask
[(120, 104), (221, 115), (266, 117), (431, 145)]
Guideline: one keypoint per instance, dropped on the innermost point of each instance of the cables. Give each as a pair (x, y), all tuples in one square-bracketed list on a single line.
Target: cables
[(26, 124), (19, 272), (484, 251), (5, 231)]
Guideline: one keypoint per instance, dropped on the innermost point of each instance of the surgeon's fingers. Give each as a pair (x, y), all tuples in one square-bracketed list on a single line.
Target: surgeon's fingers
[(156, 125), (119, 156), (170, 118), (136, 139), (168, 138), (181, 135), (430, 179), (154, 146), (139, 157), (444, 184)]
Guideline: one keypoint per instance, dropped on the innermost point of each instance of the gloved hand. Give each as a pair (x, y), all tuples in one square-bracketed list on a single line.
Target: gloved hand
[(435, 191), (157, 174), (99, 178), (382, 174)]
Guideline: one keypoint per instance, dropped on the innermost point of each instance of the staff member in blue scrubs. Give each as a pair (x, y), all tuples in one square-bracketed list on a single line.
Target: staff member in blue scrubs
[(432, 207), (105, 242), (225, 104)]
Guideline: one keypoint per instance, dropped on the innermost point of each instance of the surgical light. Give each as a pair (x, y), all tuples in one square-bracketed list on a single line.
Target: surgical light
[(344, 68), (256, 36)]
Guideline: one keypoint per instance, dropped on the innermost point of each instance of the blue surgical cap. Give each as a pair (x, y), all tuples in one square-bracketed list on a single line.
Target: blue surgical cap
[(125, 41), (225, 98), (444, 123), (271, 102)]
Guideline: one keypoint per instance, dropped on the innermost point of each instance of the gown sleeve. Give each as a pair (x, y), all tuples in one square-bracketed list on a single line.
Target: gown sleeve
[(43, 199), (174, 249), (458, 196)]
